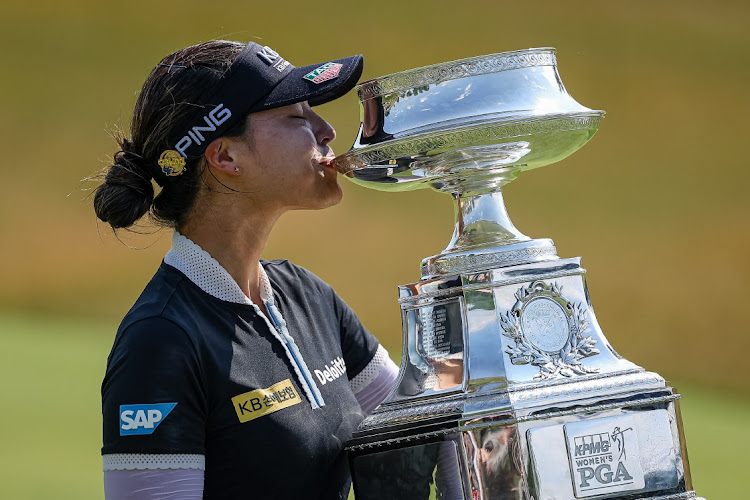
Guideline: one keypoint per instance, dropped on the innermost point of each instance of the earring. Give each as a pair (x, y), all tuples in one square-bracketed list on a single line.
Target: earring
[(236, 169)]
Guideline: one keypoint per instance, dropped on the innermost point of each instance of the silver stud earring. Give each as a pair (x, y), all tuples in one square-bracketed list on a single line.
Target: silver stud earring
[(236, 169)]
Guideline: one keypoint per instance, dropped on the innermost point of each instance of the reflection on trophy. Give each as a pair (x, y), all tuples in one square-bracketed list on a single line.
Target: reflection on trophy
[(508, 388)]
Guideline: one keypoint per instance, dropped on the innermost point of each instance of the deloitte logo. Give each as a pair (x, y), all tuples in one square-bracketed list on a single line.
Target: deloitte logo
[(331, 371)]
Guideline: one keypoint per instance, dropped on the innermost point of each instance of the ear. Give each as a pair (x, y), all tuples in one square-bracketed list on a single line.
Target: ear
[(220, 156)]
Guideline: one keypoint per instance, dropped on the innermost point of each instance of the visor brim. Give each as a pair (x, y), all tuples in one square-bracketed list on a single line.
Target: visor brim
[(294, 87)]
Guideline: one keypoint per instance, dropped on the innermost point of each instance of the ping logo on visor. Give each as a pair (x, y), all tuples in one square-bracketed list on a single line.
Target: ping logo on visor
[(143, 419), (212, 120), (321, 74)]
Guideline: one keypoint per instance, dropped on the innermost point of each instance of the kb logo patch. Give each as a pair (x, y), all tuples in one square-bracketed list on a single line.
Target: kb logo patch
[(143, 419), (260, 402)]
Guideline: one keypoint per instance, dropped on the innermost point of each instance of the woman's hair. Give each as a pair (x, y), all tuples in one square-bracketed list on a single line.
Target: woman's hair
[(170, 92)]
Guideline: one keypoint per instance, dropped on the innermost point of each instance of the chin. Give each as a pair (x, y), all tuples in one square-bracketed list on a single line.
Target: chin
[(331, 197), (334, 199)]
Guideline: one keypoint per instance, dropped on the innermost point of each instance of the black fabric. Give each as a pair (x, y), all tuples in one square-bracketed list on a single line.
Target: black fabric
[(181, 345), (257, 80)]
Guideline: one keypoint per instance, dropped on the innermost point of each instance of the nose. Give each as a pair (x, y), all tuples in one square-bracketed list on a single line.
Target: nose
[(324, 132)]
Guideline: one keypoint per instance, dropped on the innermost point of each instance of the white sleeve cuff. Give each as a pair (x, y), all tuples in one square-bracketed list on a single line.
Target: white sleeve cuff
[(371, 371), (143, 461)]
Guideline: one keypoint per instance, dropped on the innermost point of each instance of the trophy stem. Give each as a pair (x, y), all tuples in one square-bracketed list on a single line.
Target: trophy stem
[(484, 237), (481, 222)]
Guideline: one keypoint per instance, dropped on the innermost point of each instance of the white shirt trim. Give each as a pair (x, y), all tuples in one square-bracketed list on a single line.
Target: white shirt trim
[(145, 461), (206, 272), (371, 371)]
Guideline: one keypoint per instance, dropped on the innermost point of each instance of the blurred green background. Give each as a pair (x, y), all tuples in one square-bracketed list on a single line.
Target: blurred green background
[(656, 203)]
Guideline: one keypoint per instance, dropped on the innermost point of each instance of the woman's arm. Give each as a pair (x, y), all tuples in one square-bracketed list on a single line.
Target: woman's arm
[(161, 484), (373, 384), (153, 414)]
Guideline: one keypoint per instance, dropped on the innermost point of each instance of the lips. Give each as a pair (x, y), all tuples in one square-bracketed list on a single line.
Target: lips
[(326, 161)]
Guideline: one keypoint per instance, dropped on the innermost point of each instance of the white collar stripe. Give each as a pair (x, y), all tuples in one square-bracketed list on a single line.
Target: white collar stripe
[(206, 272)]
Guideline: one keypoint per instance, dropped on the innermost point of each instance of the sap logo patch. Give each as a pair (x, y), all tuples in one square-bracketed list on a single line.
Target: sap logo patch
[(143, 419)]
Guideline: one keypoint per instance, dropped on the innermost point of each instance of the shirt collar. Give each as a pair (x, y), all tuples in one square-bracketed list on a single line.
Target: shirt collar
[(206, 272)]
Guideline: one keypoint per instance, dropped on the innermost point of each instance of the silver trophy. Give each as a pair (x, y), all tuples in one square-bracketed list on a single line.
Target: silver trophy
[(508, 388)]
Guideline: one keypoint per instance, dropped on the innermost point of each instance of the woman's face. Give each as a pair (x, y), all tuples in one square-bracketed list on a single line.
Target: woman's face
[(285, 162)]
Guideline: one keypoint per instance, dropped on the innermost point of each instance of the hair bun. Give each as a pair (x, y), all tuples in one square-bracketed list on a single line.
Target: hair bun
[(126, 193)]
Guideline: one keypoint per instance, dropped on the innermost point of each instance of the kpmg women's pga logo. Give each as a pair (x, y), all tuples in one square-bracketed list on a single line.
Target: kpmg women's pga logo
[(604, 456)]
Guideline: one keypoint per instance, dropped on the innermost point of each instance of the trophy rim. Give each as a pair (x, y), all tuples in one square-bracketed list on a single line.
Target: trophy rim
[(502, 130), (458, 68)]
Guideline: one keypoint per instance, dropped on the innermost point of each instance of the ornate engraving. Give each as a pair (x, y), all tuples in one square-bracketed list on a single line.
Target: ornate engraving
[(585, 388), (589, 409), (410, 413), (545, 324), (417, 438), (547, 332), (679, 496), (451, 139), (424, 296), (432, 75), (446, 265)]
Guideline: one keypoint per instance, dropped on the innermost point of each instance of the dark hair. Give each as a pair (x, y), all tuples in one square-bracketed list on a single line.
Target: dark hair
[(170, 92)]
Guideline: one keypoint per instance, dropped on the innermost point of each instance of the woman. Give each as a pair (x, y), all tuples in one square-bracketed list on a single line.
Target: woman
[(232, 377)]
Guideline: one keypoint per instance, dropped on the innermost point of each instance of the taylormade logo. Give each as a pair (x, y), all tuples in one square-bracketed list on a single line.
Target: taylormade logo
[(213, 119), (331, 371)]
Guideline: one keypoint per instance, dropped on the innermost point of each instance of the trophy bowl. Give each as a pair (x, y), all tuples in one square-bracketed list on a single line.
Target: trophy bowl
[(508, 388), (443, 125), (468, 127)]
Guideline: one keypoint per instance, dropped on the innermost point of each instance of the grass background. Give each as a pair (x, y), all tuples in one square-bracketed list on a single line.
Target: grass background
[(51, 424), (656, 203)]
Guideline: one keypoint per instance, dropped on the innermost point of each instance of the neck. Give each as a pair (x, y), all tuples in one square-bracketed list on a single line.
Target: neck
[(235, 239)]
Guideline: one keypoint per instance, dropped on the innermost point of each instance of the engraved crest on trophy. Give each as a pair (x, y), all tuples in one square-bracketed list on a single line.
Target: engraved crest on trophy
[(547, 331), (508, 388)]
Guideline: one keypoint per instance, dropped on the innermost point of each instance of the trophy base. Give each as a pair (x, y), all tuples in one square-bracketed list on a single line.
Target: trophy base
[(508, 390), (622, 448)]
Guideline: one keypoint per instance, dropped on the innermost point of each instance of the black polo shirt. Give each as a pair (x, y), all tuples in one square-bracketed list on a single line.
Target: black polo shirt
[(192, 374)]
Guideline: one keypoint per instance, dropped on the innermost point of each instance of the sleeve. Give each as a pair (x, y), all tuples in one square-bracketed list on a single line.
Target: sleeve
[(372, 385), (358, 345), (153, 402), (370, 369), (185, 484)]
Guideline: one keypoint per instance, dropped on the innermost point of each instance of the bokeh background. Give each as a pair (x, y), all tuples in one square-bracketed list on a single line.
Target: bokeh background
[(657, 203)]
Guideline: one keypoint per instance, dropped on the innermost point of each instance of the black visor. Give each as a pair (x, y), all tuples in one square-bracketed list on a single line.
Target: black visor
[(260, 79)]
